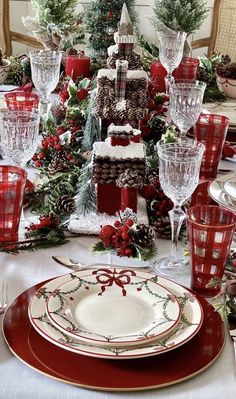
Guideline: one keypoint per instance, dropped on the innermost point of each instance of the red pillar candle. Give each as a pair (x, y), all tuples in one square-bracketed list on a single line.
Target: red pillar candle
[(77, 66), (158, 74), (129, 198)]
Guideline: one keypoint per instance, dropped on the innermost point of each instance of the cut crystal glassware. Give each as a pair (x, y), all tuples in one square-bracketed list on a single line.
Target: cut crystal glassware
[(19, 135), (179, 167), (45, 70), (186, 99), (171, 45)]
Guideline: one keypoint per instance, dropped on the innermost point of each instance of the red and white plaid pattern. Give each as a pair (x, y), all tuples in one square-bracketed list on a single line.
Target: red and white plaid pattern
[(121, 78)]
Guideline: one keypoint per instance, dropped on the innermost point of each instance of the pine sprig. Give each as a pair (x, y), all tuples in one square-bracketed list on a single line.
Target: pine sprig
[(32, 245), (180, 15), (86, 201)]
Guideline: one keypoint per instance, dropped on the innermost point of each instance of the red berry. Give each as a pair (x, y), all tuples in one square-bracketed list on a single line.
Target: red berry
[(58, 147), (60, 130), (35, 157), (125, 235), (129, 222), (117, 223), (128, 252), (151, 105), (38, 164), (124, 229), (41, 155), (107, 231)]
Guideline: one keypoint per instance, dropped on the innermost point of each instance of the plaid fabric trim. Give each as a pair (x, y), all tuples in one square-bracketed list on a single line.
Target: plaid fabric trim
[(121, 78), (125, 49)]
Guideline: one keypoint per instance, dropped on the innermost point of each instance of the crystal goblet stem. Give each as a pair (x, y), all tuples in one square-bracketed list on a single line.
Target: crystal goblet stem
[(177, 216)]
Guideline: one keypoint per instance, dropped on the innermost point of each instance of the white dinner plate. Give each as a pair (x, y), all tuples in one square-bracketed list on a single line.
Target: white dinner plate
[(226, 108), (217, 192), (230, 187), (188, 326), (113, 307)]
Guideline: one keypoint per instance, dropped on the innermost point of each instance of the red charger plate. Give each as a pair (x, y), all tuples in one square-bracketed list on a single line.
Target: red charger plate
[(111, 375)]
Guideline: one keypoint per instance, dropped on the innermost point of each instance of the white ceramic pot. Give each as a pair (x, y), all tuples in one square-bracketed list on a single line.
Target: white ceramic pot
[(4, 70), (227, 86)]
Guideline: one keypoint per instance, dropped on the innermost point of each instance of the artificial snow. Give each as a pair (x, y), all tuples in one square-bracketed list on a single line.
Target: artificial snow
[(133, 150)]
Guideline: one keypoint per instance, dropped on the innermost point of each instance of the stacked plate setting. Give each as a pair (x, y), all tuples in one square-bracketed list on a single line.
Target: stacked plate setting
[(115, 313), (223, 191)]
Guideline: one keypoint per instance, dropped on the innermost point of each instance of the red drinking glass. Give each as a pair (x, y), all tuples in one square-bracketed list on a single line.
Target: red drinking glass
[(21, 101), (211, 130), (201, 195), (12, 186), (210, 232), (187, 69)]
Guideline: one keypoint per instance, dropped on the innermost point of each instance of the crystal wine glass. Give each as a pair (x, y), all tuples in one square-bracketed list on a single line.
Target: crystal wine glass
[(45, 70), (171, 52), (179, 166), (19, 135), (186, 99)]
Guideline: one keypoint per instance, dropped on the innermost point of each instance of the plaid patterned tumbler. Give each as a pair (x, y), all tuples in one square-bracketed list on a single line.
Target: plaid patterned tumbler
[(12, 186), (211, 130), (210, 233)]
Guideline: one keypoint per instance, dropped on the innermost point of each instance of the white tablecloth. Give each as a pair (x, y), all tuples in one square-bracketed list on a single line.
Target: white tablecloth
[(18, 381)]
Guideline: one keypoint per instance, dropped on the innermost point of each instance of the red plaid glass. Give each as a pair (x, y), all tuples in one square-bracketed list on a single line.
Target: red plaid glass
[(22, 101), (187, 69), (211, 130), (210, 233), (12, 186)]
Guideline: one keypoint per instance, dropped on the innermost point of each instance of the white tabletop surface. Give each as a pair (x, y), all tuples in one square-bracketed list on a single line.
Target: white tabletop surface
[(18, 381)]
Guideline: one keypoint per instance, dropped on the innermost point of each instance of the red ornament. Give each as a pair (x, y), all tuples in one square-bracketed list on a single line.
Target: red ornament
[(110, 14)]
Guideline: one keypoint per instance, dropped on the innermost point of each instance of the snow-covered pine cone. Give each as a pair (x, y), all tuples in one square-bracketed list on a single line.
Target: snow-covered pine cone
[(143, 235)]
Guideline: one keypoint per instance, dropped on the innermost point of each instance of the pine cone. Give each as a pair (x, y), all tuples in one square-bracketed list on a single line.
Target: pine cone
[(17, 78), (59, 112), (66, 204), (57, 165), (130, 178), (143, 235), (152, 177), (162, 227), (225, 59), (202, 75)]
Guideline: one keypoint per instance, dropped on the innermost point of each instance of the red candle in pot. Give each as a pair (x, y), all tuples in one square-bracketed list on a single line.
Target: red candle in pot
[(77, 65), (158, 74)]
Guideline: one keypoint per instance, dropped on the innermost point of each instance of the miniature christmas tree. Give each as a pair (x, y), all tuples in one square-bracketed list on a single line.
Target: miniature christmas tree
[(180, 15), (55, 23), (101, 20)]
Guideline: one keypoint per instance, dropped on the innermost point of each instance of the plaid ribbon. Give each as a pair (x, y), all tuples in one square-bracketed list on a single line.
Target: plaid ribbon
[(125, 49), (121, 78)]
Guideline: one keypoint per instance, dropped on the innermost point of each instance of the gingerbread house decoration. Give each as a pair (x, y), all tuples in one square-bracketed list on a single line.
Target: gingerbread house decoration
[(118, 170), (125, 40), (133, 86)]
